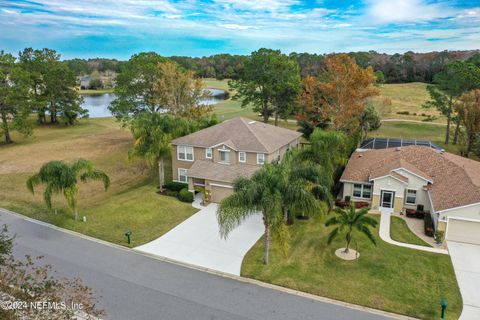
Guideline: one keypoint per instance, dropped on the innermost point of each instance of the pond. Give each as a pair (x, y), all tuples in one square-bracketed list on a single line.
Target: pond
[(97, 105)]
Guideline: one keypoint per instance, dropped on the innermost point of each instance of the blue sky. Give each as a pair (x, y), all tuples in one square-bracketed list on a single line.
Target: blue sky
[(120, 28)]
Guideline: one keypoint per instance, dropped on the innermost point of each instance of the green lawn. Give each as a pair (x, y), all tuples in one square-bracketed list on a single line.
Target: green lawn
[(95, 92), (399, 231), (419, 131), (130, 202), (405, 97), (385, 277), (213, 83)]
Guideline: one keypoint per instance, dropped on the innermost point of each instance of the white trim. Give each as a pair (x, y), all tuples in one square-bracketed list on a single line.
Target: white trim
[(406, 196), (244, 158), (423, 178), (460, 207), (224, 144), (221, 185), (185, 175), (261, 154), (206, 153), (378, 194), (220, 155), (185, 146), (389, 176), (361, 182), (431, 203)]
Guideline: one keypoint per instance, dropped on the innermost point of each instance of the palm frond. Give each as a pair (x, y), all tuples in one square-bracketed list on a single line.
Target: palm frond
[(332, 235), (96, 175), (32, 182)]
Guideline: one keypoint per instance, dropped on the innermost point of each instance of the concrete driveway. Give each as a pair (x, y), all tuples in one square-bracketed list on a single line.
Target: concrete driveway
[(197, 241), (466, 262)]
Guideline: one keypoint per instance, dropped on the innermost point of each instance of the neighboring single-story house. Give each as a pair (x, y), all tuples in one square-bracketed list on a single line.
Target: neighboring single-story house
[(214, 157), (447, 185)]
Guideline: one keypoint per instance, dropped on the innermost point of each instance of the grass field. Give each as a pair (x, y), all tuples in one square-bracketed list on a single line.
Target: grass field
[(95, 92), (130, 203), (400, 232), (405, 97), (385, 277)]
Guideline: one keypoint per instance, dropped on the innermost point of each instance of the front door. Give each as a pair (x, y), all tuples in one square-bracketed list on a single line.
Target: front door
[(387, 199)]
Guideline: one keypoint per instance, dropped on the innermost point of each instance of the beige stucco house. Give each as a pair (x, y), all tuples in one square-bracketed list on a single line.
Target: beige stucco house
[(214, 157), (447, 185)]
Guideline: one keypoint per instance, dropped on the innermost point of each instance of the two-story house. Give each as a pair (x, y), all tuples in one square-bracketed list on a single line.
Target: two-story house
[(214, 157)]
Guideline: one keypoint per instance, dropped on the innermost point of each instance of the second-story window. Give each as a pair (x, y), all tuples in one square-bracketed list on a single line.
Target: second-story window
[(260, 158), (242, 156), (224, 156), (185, 153), (208, 153)]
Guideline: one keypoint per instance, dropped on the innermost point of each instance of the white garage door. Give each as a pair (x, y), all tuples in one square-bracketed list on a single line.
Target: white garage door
[(461, 230)]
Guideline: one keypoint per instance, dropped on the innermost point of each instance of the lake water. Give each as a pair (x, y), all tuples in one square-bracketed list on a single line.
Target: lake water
[(97, 105)]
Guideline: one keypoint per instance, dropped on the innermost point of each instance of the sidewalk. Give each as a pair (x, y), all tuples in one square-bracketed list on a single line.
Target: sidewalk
[(385, 235)]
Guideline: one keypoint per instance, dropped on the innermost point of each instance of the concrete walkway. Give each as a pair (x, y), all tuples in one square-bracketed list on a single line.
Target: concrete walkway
[(197, 241), (385, 234), (466, 263)]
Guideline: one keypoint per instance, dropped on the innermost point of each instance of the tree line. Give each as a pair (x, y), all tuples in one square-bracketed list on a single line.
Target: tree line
[(36, 82)]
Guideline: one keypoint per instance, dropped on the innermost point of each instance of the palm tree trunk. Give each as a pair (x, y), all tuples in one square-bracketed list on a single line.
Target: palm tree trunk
[(349, 238), (161, 174), (276, 118), (76, 214), (266, 240)]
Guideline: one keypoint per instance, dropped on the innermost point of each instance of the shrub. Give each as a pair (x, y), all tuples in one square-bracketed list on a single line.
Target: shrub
[(420, 207), (347, 199), (360, 204), (340, 203), (403, 112), (428, 225), (439, 236), (175, 186), (171, 193), (185, 196)]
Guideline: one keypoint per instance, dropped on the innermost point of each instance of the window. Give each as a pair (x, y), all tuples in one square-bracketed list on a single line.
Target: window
[(182, 175), (185, 153), (260, 158), (242, 156), (224, 156), (411, 197), (208, 153), (362, 191)]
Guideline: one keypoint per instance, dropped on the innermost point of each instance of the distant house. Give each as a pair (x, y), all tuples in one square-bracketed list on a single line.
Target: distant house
[(85, 82), (446, 185), (214, 157)]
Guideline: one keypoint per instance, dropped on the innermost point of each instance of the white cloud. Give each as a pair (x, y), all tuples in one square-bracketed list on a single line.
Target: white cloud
[(254, 5), (397, 11), (234, 26)]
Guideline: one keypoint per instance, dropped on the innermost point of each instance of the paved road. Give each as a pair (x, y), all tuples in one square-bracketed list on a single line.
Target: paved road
[(134, 286)]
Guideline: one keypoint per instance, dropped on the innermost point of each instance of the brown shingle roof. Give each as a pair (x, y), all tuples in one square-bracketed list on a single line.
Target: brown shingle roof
[(205, 169), (244, 134), (456, 180)]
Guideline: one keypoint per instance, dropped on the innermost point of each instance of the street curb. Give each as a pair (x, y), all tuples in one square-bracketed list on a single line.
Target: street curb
[(214, 272)]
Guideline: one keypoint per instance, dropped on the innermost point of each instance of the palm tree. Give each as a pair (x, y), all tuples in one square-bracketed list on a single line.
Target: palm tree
[(266, 192), (300, 181), (153, 133), (352, 220), (60, 177)]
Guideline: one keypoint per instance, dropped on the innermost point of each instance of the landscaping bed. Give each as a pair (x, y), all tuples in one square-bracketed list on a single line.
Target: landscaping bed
[(385, 277), (400, 232)]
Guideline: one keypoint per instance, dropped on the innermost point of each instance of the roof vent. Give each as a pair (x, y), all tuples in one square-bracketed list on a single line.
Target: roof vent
[(252, 122), (360, 155), (398, 148)]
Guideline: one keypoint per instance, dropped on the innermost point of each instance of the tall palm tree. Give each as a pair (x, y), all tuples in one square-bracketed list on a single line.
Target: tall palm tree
[(349, 221), (264, 192), (300, 179), (152, 133), (62, 178)]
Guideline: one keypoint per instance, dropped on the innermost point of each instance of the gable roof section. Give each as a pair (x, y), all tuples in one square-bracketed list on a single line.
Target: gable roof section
[(455, 181), (243, 134), (204, 169)]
